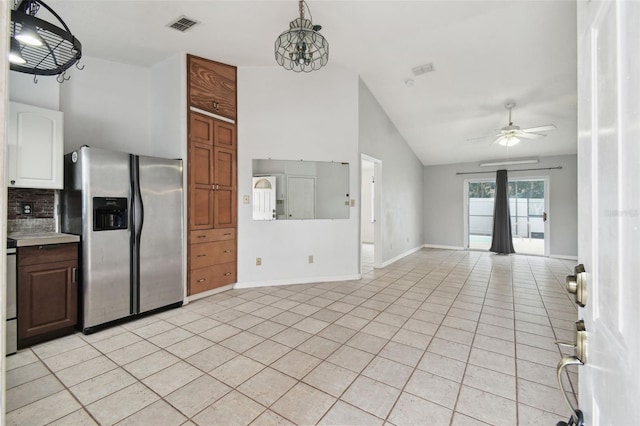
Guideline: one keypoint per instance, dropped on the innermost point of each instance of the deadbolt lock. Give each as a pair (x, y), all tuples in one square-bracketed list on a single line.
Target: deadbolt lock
[(577, 284)]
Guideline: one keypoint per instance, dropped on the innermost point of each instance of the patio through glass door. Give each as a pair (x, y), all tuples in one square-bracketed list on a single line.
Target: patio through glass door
[(526, 207)]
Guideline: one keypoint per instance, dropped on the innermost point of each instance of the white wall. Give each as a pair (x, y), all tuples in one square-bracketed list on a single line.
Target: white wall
[(107, 105), (169, 107), (287, 116), (444, 202), (45, 93), (401, 211)]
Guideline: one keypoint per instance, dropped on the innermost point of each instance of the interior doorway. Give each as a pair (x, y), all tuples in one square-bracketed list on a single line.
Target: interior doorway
[(370, 181), (528, 208)]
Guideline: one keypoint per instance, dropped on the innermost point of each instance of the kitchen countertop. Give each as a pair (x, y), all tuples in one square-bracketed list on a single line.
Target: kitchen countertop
[(43, 238)]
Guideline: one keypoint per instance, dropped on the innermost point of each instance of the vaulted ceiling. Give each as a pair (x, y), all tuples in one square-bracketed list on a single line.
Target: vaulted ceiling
[(484, 53)]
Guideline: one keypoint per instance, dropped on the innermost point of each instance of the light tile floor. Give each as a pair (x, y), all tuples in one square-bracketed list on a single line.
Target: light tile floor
[(438, 338)]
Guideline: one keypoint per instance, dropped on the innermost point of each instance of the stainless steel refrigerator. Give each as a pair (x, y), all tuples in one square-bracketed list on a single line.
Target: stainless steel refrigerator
[(128, 211)]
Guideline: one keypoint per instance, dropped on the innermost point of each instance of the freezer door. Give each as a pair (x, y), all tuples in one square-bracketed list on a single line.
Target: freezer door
[(106, 255), (160, 264)]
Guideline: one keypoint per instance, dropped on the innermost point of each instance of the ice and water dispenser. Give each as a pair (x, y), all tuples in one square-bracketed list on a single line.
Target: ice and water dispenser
[(109, 213)]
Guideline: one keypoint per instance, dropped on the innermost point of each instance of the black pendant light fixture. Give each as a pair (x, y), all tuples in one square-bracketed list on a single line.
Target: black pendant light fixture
[(40, 47), (302, 47)]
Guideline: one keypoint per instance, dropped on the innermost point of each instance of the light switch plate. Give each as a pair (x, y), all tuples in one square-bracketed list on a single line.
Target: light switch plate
[(245, 199)]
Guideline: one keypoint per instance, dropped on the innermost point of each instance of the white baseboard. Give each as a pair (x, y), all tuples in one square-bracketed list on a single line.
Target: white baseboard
[(436, 246), (563, 256), (197, 296), (292, 281), (400, 256)]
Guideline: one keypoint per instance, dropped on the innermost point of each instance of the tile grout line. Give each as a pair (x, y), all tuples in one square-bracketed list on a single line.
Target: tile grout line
[(466, 366)]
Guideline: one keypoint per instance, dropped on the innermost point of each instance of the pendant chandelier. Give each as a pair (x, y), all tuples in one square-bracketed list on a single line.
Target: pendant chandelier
[(302, 47), (40, 47)]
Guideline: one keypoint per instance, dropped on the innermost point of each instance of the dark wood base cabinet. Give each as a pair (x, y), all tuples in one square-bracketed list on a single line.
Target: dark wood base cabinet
[(47, 292)]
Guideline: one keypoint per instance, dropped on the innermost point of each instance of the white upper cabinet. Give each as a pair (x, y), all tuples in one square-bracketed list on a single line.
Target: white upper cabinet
[(34, 147)]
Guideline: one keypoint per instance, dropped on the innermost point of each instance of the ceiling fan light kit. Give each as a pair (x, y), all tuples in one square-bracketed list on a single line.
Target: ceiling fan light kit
[(302, 47), (508, 140)]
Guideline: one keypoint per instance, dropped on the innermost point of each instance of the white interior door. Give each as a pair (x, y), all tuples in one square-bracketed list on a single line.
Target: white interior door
[(609, 208), (264, 198), (301, 197)]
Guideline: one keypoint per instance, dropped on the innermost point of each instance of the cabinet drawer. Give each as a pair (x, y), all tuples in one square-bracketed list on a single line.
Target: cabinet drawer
[(215, 253), (203, 279), (208, 235), (34, 255)]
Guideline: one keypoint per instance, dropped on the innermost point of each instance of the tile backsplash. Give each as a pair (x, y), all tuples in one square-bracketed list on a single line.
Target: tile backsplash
[(43, 204)]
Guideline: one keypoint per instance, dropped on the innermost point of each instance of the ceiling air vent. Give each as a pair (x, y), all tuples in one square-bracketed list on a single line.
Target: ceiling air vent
[(182, 24), (422, 69)]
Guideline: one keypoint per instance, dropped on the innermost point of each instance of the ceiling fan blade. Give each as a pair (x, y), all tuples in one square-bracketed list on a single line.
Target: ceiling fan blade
[(528, 135), (480, 137), (544, 128)]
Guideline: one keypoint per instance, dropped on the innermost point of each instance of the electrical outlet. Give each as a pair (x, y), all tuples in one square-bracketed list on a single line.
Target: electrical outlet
[(258, 261), (311, 258), (27, 208)]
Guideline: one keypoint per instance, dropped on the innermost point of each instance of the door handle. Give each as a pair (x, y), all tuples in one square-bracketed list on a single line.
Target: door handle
[(579, 358), (544, 216), (576, 415)]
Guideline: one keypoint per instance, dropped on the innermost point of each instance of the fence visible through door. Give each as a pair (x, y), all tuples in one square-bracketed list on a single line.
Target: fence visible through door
[(526, 208)]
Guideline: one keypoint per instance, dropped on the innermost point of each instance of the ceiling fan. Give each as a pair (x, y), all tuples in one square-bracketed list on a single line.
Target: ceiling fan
[(511, 134)]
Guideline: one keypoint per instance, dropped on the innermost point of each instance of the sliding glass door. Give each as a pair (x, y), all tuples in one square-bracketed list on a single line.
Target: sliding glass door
[(526, 207)]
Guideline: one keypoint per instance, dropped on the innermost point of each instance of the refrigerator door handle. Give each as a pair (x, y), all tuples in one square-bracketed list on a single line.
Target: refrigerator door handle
[(139, 221), (140, 202), (132, 238)]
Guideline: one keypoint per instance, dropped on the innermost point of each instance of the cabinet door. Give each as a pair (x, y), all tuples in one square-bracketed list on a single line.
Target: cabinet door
[(225, 200), (201, 187), (201, 129), (34, 147), (47, 298), (212, 86), (225, 134)]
